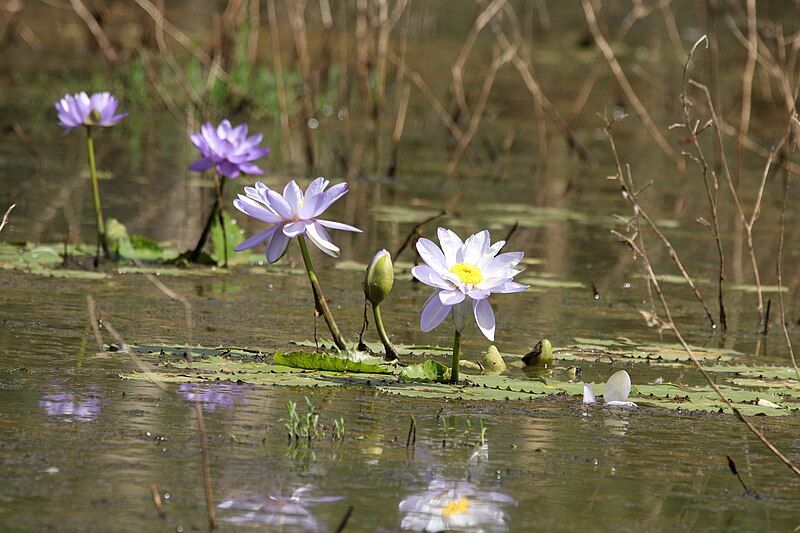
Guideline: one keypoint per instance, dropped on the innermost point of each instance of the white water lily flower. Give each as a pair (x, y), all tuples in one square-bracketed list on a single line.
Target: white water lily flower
[(616, 392), (465, 274), (455, 506), (294, 213)]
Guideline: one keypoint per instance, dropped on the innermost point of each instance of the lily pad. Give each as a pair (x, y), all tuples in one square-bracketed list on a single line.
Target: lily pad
[(427, 371), (337, 362)]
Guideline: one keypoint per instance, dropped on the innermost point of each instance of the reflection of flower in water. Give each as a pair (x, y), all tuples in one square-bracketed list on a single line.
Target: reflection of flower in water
[(455, 505), (64, 404), (276, 511), (220, 395)]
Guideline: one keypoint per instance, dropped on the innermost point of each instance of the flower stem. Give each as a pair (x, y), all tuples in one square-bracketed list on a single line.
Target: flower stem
[(391, 353), (456, 355), (215, 209), (98, 211), (319, 299)]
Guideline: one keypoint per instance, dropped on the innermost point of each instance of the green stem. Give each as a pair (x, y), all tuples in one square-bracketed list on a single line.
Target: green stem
[(319, 299), (456, 354), (391, 353), (98, 211), (215, 209)]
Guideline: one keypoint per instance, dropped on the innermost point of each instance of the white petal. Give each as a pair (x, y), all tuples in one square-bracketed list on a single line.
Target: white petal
[(504, 262), (588, 393), (451, 297), (509, 287), (451, 244), (338, 225), (277, 245), (474, 247), (433, 313), (627, 405), (431, 254), (429, 276), (618, 387), (484, 316), (321, 239)]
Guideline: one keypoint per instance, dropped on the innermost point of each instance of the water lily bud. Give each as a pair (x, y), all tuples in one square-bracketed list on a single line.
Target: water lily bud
[(493, 362), (542, 354), (379, 278)]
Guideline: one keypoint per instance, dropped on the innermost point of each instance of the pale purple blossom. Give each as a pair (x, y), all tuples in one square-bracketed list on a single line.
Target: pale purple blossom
[(65, 405), (80, 109), (212, 397), (229, 149), (465, 274), (294, 213)]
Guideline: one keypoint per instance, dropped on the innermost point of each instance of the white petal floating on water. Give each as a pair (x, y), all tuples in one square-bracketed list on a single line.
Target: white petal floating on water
[(618, 388), (626, 405), (766, 403), (588, 394)]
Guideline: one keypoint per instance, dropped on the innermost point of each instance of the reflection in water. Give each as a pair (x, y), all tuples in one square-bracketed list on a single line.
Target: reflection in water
[(277, 511), (222, 395), (64, 404), (455, 505)]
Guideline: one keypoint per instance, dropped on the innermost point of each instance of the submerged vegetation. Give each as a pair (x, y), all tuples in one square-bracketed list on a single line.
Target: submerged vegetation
[(649, 271)]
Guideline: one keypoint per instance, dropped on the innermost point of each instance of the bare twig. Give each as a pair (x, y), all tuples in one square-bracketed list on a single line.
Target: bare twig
[(98, 33), (415, 233), (626, 87), (6, 215), (157, 501)]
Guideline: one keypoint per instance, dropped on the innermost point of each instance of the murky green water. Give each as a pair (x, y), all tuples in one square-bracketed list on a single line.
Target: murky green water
[(79, 447)]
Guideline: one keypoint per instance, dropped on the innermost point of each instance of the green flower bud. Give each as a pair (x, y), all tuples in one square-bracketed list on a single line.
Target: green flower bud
[(493, 362), (379, 278), (542, 354)]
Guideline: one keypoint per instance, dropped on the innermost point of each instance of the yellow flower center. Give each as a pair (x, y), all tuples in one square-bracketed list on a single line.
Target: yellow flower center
[(459, 507), (468, 274)]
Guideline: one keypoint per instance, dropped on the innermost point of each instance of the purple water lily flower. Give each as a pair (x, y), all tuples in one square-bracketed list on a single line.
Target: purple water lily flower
[(228, 149), (294, 214), (99, 109), (465, 274)]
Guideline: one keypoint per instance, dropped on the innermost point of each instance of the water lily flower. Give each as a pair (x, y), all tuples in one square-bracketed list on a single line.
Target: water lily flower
[(80, 109), (295, 214), (229, 149), (455, 506), (215, 396), (100, 109), (616, 392), (64, 404), (464, 274)]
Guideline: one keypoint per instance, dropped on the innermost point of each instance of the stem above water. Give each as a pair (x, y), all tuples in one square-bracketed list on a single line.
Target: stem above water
[(456, 355), (319, 299), (391, 353), (98, 211)]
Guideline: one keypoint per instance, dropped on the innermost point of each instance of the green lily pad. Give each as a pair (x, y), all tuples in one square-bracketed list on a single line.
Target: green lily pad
[(338, 362), (427, 371)]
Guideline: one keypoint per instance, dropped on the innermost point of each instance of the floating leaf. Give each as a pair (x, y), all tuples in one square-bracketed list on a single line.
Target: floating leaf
[(337, 362), (427, 371)]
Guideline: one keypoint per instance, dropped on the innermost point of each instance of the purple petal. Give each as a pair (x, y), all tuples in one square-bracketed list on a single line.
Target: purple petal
[(331, 195), (228, 169), (255, 240), (251, 208), (310, 205), (277, 245), (316, 186), (293, 229), (201, 164), (322, 240), (338, 225), (293, 195), (279, 204), (484, 316), (433, 313)]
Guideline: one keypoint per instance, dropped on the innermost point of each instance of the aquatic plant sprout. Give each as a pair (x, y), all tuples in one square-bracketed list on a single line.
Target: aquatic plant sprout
[(228, 149), (294, 214), (464, 274), (99, 109), (80, 109)]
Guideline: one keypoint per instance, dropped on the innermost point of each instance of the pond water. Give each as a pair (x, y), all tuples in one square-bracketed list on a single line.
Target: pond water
[(80, 447)]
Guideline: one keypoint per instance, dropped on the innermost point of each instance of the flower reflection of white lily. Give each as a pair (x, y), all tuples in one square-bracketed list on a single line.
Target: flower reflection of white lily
[(276, 512), (455, 506)]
